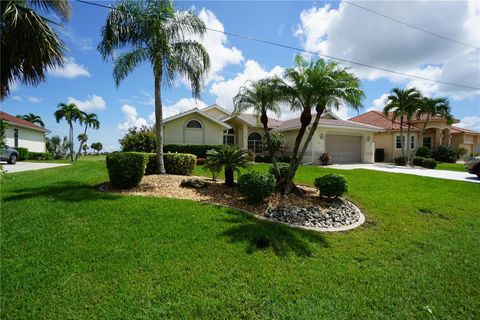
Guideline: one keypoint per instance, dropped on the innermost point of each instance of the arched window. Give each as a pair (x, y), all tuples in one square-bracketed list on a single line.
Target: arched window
[(255, 142), (194, 124), (229, 137)]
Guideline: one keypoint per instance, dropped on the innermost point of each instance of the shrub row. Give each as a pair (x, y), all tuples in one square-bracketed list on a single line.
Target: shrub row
[(24, 154), (428, 163), (175, 163), (200, 150), (400, 161)]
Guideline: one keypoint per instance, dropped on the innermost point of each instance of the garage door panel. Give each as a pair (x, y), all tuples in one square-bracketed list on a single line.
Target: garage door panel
[(344, 149)]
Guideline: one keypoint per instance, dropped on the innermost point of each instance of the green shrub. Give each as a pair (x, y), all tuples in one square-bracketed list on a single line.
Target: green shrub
[(39, 156), (430, 163), (22, 153), (400, 161), (325, 158), (263, 158), (419, 161), (379, 155), (200, 150), (423, 152), (444, 154), (126, 169), (461, 152), (138, 140), (256, 186), (286, 159), (282, 167), (175, 163), (331, 185)]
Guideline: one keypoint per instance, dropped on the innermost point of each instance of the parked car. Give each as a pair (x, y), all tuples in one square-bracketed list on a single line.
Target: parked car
[(473, 165), (9, 154)]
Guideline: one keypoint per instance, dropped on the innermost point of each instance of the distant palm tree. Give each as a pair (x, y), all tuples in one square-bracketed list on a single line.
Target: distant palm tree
[(33, 118), (231, 159), (262, 96), (403, 103), (97, 146), (29, 45), (70, 113), (90, 120), (85, 148), (159, 34)]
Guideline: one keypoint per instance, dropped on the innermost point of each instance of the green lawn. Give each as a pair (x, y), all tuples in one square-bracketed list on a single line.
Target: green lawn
[(451, 166), (71, 252)]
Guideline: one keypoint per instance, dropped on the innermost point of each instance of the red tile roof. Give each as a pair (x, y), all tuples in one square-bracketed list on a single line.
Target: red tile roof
[(252, 118), (9, 118), (294, 123), (454, 130), (378, 119), (423, 117)]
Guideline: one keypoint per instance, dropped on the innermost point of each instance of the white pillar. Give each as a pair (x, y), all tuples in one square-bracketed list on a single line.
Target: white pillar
[(245, 136)]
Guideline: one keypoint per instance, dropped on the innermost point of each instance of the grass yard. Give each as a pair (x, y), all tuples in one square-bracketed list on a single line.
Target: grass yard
[(451, 166), (71, 252)]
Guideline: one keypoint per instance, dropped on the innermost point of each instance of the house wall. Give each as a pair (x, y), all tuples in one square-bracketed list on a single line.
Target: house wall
[(216, 113), (175, 131), (386, 141), (33, 140)]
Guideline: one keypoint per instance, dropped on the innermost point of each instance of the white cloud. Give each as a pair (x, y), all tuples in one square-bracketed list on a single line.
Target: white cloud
[(17, 98), (379, 103), (92, 103), (70, 70), (384, 43), (470, 122), (33, 99), (131, 118)]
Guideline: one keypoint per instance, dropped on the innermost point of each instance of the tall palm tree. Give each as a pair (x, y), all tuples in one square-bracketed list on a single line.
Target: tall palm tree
[(316, 86), (29, 45), (262, 96), (231, 159), (70, 113), (90, 120), (403, 103), (430, 107), (159, 34), (32, 118)]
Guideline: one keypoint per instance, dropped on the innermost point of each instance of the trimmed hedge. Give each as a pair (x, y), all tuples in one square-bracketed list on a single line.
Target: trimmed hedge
[(175, 163), (423, 152), (256, 186), (22, 153), (430, 163), (40, 156), (331, 185), (400, 161), (199, 150), (419, 161), (126, 169)]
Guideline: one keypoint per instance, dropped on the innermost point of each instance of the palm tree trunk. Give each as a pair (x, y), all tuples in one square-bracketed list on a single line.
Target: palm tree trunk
[(71, 141), (401, 137), (420, 136), (273, 156), (229, 181), (409, 156), (81, 144), (160, 166)]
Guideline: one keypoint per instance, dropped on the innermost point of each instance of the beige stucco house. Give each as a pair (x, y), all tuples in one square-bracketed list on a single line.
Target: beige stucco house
[(23, 134), (438, 132), (345, 141)]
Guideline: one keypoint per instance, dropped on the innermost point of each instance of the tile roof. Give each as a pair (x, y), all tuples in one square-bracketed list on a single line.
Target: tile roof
[(8, 117), (423, 117), (252, 118), (454, 130), (378, 119), (294, 123)]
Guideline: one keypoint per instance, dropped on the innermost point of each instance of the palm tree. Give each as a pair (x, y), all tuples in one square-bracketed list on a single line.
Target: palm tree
[(314, 86), (70, 113), (159, 34), (403, 103), (97, 146), (430, 107), (30, 46), (262, 96), (90, 120), (231, 159), (85, 148), (32, 118)]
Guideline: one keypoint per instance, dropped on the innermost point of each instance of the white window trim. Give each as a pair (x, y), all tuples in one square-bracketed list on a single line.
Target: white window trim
[(405, 137), (188, 121)]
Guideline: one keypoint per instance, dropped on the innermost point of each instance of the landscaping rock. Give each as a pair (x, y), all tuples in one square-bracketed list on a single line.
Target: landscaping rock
[(194, 183), (339, 214)]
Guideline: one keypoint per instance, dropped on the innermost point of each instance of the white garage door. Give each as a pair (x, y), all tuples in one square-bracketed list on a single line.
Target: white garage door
[(344, 149)]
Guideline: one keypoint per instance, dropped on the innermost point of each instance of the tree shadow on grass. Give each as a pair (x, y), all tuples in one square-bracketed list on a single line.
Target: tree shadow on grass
[(264, 235), (68, 191)]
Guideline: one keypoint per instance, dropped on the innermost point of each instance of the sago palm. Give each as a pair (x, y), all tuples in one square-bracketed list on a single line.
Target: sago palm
[(32, 118), (156, 33), (29, 45), (231, 159), (70, 113), (316, 86), (261, 96), (90, 120)]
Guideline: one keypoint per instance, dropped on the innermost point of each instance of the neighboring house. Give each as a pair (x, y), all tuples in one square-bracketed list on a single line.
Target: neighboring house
[(23, 134), (438, 132), (345, 141)]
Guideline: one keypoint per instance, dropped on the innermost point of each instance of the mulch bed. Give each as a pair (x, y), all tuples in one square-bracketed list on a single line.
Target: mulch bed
[(217, 192)]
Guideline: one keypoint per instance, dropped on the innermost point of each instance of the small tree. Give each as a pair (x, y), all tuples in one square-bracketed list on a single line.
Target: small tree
[(231, 159), (70, 113), (57, 147), (97, 146), (139, 140), (2, 134), (85, 148)]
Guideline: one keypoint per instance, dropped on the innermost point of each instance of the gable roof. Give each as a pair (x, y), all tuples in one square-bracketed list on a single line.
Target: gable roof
[(327, 122), (254, 120), (457, 130), (378, 119), (216, 106), (198, 111), (20, 122)]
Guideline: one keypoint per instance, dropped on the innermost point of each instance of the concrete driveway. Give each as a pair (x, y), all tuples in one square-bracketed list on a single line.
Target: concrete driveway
[(385, 167), (28, 166)]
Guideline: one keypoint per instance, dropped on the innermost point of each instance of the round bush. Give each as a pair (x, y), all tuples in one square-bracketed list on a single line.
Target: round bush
[(430, 163), (282, 167), (126, 169), (419, 161), (400, 161), (331, 185), (423, 152), (175, 163), (256, 186), (445, 154)]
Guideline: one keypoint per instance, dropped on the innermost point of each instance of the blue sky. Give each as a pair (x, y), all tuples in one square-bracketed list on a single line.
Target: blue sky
[(333, 28)]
